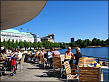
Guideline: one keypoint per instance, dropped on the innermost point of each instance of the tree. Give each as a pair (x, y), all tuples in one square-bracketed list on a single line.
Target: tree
[(31, 45), (35, 45), (1, 43), (107, 41), (40, 45), (56, 44), (46, 44), (103, 43), (16, 44), (9, 44), (63, 45), (5, 44), (73, 44), (84, 44), (21, 44), (98, 42), (79, 42), (88, 42), (27, 45), (13, 44), (94, 41)]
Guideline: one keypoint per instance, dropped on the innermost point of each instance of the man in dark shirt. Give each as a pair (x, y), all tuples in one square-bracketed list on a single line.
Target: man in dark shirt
[(77, 55)]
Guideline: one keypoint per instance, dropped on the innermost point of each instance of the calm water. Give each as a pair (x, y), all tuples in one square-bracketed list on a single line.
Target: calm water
[(96, 52), (102, 52)]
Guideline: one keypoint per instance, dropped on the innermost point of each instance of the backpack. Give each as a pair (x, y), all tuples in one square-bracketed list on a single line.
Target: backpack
[(13, 63)]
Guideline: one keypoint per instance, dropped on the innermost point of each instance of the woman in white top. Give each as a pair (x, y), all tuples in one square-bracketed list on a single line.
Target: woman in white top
[(69, 55)]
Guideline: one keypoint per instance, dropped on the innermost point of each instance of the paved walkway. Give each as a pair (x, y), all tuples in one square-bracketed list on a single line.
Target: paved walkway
[(32, 72)]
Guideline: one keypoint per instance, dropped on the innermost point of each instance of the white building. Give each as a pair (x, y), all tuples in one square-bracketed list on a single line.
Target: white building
[(15, 35), (50, 38), (36, 38)]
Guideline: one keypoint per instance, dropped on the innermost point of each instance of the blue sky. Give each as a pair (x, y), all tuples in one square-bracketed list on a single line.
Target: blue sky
[(66, 19)]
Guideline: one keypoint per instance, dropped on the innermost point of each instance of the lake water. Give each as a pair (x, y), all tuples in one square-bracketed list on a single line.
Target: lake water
[(102, 52)]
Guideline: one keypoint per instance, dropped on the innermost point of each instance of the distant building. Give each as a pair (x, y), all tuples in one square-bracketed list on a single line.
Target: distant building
[(15, 35), (50, 38), (36, 38), (72, 40)]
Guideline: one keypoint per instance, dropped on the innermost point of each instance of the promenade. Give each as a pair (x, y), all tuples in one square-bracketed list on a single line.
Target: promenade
[(32, 72)]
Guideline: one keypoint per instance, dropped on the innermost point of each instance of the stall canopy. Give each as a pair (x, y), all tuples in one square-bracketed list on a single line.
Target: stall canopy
[(15, 13)]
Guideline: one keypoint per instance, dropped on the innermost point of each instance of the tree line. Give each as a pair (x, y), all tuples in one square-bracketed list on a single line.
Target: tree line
[(87, 42), (46, 44), (14, 44)]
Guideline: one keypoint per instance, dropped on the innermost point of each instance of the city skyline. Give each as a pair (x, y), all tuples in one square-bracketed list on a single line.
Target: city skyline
[(67, 19)]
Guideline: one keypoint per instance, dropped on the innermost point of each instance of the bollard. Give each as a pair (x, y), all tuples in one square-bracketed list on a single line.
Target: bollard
[(98, 60)]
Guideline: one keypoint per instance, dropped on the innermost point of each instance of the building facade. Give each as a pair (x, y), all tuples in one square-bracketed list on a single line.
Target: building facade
[(50, 38), (36, 38), (72, 40), (15, 35)]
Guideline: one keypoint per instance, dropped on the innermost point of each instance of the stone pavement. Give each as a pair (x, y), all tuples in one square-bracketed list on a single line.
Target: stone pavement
[(32, 72)]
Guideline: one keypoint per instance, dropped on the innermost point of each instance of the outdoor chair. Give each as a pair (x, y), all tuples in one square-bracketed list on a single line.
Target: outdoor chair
[(2, 68), (43, 61), (70, 74), (88, 61), (89, 74), (81, 61), (57, 64)]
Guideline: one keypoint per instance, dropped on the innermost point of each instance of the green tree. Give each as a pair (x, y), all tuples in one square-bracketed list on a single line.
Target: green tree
[(9, 44), (73, 44), (30, 45), (46, 44), (94, 41), (107, 41), (98, 42), (88, 42), (84, 44), (57, 44), (1, 44), (40, 45), (63, 45), (16, 44), (5, 44), (52, 44), (79, 42), (21, 44), (27, 45), (103, 43), (13, 44), (35, 45)]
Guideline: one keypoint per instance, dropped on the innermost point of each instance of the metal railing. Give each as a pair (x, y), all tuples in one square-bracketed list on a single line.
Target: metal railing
[(98, 59)]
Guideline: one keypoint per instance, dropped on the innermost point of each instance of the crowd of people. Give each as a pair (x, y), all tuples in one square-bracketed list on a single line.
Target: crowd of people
[(35, 54)]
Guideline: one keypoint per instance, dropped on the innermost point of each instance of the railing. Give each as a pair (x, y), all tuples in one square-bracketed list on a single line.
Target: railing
[(98, 59)]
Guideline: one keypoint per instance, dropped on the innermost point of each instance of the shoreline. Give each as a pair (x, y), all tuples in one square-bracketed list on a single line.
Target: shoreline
[(81, 47)]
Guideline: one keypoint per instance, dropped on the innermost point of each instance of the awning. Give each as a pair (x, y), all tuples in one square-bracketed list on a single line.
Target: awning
[(15, 13)]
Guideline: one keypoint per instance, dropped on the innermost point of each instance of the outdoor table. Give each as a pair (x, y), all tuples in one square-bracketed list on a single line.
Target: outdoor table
[(102, 67)]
